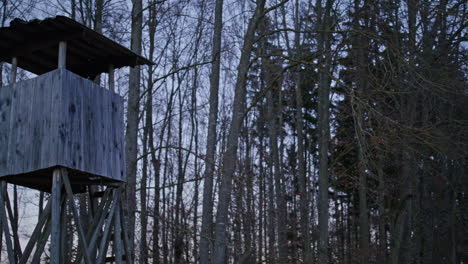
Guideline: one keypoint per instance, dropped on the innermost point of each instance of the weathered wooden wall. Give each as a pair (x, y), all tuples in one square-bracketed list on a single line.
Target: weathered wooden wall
[(61, 119)]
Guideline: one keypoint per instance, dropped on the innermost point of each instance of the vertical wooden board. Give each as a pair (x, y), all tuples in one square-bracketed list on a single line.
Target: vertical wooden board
[(5, 113), (46, 129), (109, 135), (121, 138), (93, 100), (50, 132), (63, 152), (106, 163), (66, 120), (120, 128), (99, 126), (113, 147), (25, 129), (112, 134), (15, 121), (87, 125), (74, 110), (36, 135), (24, 140)]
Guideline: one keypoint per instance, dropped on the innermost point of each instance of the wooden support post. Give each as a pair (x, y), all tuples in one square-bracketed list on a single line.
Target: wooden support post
[(56, 204), (118, 233), (76, 216), (14, 227), (95, 231), (14, 69), (6, 229), (63, 233), (126, 240), (35, 237), (41, 243), (106, 234), (111, 78), (62, 55)]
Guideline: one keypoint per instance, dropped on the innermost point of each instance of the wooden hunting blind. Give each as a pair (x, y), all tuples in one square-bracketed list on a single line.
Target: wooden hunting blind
[(60, 130), (61, 118)]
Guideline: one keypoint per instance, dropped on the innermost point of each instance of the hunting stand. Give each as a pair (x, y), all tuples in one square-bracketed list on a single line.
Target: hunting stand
[(62, 133)]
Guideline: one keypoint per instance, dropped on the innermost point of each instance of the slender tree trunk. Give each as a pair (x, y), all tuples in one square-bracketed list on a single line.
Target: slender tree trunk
[(143, 259), (382, 256), (324, 45), (304, 201), (249, 219), (230, 156), (358, 116), (178, 227), (131, 142), (281, 222), (207, 217)]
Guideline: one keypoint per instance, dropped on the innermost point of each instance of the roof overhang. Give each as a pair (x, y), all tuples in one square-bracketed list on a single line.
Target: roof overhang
[(35, 45)]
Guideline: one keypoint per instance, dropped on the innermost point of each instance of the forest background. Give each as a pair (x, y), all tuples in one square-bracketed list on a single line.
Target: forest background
[(285, 131)]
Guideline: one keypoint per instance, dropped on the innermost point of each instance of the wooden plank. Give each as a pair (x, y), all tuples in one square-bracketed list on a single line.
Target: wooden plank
[(5, 113), (14, 154), (56, 204), (44, 132), (6, 229), (73, 105), (118, 237)]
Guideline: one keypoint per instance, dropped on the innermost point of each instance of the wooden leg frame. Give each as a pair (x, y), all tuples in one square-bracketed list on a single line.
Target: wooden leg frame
[(107, 225)]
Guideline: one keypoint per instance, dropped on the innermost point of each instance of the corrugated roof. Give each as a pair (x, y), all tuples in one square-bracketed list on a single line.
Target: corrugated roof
[(35, 44)]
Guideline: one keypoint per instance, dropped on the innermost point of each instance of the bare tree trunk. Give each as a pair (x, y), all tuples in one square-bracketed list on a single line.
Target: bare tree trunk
[(382, 255), (304, 201), (143, 258), (131, 142), (324, 45), (207, 217), (281, 222), (178, 245), (230, 156), (358, 117), (262, 206), (249, 219)]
